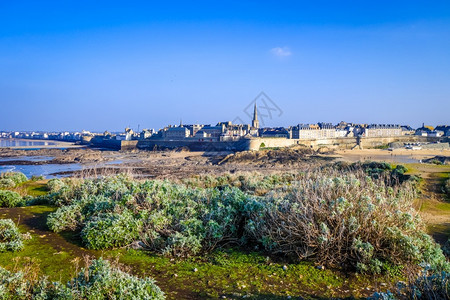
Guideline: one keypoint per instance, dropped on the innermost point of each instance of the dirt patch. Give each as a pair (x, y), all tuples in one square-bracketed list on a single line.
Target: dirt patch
[(36, 223), (280, 157)]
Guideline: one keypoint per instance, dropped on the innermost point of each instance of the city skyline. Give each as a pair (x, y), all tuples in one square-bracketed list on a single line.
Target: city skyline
[(105, 66)]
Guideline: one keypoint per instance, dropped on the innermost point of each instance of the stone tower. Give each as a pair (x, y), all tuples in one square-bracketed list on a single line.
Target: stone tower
[(255, 122)]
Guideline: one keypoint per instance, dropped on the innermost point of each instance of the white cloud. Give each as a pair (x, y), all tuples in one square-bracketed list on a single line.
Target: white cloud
[(281, 51)]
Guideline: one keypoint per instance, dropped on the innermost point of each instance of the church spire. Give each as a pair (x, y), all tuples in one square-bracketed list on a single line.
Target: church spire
[(255, 122)]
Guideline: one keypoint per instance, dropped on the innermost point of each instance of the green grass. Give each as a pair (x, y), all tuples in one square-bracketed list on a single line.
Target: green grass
[(31, 188), (443, 207), (384, 146), (232, 272), (52, 262), (35, 188)]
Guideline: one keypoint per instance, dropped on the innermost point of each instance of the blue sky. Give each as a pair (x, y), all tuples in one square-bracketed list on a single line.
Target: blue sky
[(73, 65)]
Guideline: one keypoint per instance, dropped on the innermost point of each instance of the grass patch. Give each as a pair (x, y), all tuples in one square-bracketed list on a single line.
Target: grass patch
[(36, 188), (233, 272), (50, 256), (31, 188), (52, 263)]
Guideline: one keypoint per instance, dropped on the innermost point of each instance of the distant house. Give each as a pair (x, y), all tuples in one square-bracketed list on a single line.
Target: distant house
[(176, 133), (214, 131), (407, 130), (382, 130), (202, 135), (436, 133), (315, 131), (444, 128), (279, 132), (146, 133)]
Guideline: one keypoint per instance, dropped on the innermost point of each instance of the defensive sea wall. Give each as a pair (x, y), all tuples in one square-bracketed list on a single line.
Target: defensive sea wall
[(150, 144), (257, 143), (113, 144), (337, 143)]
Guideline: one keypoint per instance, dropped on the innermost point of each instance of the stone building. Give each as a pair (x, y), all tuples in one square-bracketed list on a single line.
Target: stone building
[(314, 131), (382, 130), (176, 133)]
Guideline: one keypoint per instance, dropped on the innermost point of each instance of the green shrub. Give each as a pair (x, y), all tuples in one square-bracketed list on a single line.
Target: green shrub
[(10, 199), (102, 281), (66, 218), (111, 230), (55, 185), (10, 237), (427, 286), (447, 187), (196, 220), (37, 178), (17, 177), (351, 221), (6, 183), (99, 280), (436, 162)]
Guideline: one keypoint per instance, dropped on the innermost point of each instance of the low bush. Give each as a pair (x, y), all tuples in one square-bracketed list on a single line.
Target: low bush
[(433, 286), (436, 162), (10, 237), (347, 221), (447, 187), (99, 280), (55, 185), (10, 199), (169, 218), (16, 177), (102, 281), (68, 217), (254, 184), (194, 220), (111, 230), (7, 183)]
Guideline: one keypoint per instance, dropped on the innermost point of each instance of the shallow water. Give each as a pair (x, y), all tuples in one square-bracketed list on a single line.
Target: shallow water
[(47, 171), (114, 162), (27, 158), (24, 143)]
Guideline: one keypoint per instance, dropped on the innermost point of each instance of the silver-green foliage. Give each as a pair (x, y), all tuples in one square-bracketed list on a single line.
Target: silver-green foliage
[(169, 218), (110, 230), (183, 221), (16, 177), (6, 183), (10, 199), (428, 286), (345, 220), (55, 185), (100, 280), (10, 237), (447, 187)]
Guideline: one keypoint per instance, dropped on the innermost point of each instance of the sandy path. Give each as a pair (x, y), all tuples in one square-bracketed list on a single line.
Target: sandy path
[(397, 155)]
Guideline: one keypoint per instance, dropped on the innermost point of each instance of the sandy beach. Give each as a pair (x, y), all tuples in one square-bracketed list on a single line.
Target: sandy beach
[(396, 155)]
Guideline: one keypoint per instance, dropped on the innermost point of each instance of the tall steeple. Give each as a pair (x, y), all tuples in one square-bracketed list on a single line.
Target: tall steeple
[(255, 122)]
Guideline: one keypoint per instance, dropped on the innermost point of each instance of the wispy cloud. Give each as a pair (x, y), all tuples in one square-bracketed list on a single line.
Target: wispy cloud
[(281, 51)]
